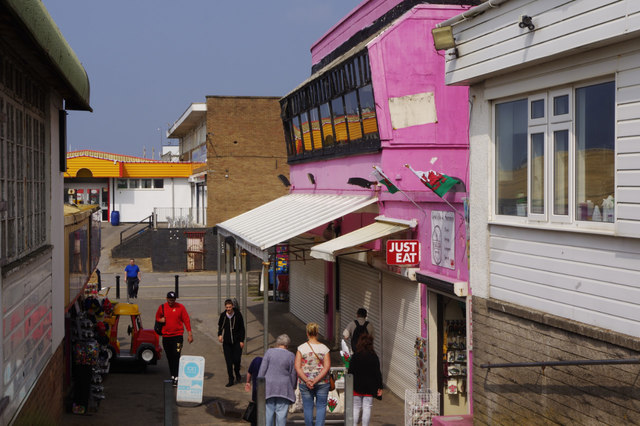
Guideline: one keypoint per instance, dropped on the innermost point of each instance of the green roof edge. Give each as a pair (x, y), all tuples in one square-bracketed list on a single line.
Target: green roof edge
[(47, 35)]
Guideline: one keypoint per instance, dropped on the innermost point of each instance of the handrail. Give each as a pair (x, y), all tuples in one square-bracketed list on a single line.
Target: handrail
[(562, 363), (149, 218)]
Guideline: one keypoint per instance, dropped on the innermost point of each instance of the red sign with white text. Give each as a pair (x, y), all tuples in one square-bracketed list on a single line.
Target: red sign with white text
[(403, 252)]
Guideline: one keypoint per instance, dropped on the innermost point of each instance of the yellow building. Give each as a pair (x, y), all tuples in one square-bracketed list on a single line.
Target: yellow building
[(132, 186)]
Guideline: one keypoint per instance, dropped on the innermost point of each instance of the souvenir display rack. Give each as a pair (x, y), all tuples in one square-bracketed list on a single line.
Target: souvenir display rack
[(420, 407), (455, 357)]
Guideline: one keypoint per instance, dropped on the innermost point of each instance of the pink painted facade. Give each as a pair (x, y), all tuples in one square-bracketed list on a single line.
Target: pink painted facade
[(404, 67), (403, 62)]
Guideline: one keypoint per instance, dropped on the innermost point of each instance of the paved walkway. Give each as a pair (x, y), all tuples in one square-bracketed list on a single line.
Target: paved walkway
[(137, 396)]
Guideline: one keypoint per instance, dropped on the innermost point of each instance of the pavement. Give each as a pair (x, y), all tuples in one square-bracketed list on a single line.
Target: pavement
[(136, 396)]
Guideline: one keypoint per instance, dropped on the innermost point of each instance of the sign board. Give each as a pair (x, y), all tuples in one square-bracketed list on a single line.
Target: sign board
[(443, 239), (190, 379), (403, 252)]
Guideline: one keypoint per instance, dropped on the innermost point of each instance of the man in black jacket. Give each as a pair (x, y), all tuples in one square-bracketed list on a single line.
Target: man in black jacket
[(231, 335)]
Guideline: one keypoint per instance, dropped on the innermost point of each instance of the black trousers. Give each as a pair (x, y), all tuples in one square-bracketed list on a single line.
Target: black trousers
[(172, 347), (232, 355), (132, 286)]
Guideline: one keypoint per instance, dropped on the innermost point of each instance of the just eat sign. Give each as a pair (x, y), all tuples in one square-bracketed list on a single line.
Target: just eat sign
[(403, 252)]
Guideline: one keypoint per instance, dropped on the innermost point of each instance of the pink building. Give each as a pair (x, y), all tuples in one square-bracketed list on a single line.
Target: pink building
[(381, 100), (376, 97)]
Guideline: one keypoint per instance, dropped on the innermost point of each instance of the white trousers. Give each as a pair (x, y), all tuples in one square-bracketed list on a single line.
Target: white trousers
[(364, 402)]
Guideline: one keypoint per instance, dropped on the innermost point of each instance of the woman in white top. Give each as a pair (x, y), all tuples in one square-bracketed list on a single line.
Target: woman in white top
[(312, 365)]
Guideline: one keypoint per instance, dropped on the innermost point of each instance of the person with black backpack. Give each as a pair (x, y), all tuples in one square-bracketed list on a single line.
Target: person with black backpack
[(356, 328)]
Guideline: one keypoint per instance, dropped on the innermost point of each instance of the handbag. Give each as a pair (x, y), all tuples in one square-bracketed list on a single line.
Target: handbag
[(250, 414), (157, 327), (332, 381)]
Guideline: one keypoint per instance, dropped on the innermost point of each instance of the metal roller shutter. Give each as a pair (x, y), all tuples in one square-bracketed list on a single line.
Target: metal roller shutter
[(360, 288), (306, 292), (401, 326)]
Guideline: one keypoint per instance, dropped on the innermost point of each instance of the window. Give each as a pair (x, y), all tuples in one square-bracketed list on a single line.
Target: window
[(145, 183), (23, 166), (158, 183), (555, 158), (334, 114), (134, 183), (121, 184)]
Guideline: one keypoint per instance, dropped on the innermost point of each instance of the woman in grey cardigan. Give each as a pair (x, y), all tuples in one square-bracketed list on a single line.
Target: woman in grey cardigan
[(278, 369)]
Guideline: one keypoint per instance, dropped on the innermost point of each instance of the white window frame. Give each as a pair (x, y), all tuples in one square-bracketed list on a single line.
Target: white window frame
[(552, 123), (534, 130), (570, 216)]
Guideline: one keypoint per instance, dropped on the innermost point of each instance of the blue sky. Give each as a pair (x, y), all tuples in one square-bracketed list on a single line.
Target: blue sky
[(148, 60)]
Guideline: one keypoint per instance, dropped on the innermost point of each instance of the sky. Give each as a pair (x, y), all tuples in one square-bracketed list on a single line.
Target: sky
[(148, 60)]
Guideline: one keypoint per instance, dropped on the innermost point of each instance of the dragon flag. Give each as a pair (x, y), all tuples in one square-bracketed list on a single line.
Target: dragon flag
[(437, 182), (379, 175)]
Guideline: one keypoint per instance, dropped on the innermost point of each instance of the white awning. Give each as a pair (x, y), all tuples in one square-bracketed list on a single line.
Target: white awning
[(382, 227), (286, 217)]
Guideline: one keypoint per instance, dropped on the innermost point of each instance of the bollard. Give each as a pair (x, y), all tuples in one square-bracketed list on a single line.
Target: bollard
[(167, 386), (177, 285), (348, 399), (261, 389), (117, 286)]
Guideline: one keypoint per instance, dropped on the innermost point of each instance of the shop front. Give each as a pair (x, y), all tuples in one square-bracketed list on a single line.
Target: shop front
[(450, 346)]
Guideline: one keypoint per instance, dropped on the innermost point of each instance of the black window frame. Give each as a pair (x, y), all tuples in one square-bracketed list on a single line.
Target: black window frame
[(343, 79)]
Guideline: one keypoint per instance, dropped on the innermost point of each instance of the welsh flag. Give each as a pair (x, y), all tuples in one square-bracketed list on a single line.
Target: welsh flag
[(379, 175), (437, 182)]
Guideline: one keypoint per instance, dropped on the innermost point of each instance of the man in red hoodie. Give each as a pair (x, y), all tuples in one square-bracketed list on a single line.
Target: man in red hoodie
[(175, 317)]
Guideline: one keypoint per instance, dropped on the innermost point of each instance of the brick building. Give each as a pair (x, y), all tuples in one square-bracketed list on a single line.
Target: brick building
[(241, 138)]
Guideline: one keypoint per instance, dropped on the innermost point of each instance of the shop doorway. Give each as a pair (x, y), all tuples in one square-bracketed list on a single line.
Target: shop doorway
[(452, 367)]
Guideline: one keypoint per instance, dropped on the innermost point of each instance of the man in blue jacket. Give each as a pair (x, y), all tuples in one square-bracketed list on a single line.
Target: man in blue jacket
[(133, 279)]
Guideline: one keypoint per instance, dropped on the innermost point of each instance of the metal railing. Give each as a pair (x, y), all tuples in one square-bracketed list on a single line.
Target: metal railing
[(544, 364), (175, 217), (150, 225)]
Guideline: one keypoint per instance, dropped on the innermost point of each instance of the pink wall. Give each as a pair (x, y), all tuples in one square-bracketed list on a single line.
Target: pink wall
[(360, 17), (404, 62)]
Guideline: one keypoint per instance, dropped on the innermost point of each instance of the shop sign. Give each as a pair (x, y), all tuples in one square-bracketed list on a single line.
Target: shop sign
[(403, 252), (443, 237)]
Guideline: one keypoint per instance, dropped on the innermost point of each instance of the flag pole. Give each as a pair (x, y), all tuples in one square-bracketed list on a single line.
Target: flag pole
[(414, 203)]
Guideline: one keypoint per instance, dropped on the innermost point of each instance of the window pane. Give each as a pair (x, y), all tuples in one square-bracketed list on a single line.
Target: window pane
[(595, 138), (339, 121), (368, 108), (121, 183), (511, 158), (353, 116), (561, 172), (327, 127), (537, 173), (315, 128), (306, 132), (133, 183), (145, 183), (537, 108), (158, 183), (297, 134), (561, 105)]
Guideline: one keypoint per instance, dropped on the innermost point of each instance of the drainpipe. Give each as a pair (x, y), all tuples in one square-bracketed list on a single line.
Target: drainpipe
[(475, 11), (173, 198)]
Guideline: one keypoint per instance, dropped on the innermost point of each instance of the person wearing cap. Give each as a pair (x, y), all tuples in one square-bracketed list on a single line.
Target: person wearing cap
[(175, 318)]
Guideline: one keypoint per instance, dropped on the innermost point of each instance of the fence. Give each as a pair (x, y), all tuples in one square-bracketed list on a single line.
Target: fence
[(175, 217)]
